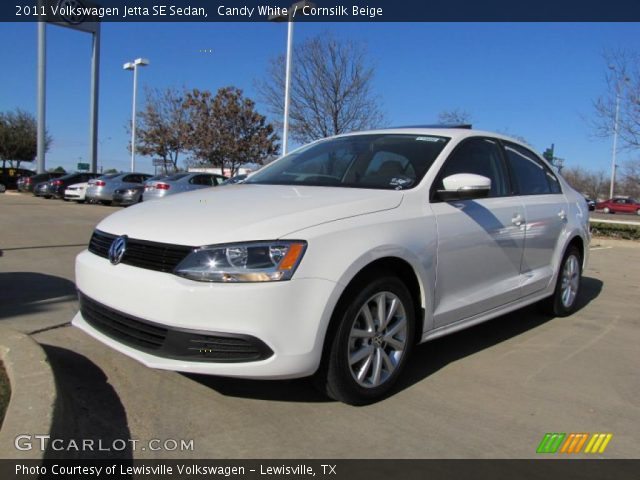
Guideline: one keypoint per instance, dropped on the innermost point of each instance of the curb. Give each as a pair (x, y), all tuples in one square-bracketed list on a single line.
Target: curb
[(33, 394)]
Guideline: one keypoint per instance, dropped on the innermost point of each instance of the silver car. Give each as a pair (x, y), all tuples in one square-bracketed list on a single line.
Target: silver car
[(180, 182), (100, 190)]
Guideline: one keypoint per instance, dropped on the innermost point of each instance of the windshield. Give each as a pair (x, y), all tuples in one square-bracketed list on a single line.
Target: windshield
[(380, 161)]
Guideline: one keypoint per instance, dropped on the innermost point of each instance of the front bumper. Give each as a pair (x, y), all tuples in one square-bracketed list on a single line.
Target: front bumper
[(289, 318)]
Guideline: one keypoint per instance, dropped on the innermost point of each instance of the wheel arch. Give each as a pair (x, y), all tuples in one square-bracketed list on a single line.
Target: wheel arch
[(390, 264)]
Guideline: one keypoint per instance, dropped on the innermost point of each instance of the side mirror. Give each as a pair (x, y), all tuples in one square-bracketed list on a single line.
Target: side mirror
[(464, 186)]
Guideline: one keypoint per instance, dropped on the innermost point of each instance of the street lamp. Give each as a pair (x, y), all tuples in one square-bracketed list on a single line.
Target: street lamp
[(619, 84), (287, 82), (138, 62)]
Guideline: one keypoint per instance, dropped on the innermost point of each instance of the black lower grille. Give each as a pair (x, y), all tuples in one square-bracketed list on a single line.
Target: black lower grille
[(171, 342), (161, 257)]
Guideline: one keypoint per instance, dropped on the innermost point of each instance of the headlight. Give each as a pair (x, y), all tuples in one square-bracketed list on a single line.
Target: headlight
[(243, 262)]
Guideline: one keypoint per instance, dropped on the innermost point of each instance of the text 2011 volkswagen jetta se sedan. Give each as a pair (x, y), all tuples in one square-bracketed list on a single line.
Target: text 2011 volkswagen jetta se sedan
[(336, 259)]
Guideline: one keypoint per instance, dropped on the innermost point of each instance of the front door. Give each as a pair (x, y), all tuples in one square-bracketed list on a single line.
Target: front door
[(480, 242)]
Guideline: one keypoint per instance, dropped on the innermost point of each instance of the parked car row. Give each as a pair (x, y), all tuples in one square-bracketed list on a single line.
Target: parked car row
[(121, 189)]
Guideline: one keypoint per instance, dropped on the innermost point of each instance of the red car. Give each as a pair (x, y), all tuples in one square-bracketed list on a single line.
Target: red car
[(619, 205)]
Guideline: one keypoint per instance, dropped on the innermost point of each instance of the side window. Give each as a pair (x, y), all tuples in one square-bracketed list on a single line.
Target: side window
[(553, 182), (531, 175), (480, 156), (529, 171)]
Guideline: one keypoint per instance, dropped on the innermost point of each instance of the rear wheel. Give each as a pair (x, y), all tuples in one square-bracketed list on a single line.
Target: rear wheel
[(606, 210), (370, 346), (638, 212), (563, 301)]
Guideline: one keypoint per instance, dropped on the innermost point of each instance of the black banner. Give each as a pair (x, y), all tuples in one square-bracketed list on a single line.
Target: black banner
[(545, 468), (320, 11)]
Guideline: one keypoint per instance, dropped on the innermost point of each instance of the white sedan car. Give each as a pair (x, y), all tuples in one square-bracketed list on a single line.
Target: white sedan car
[(76, 192), (337, 259)]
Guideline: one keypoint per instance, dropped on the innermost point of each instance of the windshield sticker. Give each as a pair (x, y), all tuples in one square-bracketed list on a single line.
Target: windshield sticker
[(429, 139), (400, 182)]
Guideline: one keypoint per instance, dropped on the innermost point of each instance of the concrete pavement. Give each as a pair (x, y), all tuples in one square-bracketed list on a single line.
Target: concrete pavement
[(491, 391)]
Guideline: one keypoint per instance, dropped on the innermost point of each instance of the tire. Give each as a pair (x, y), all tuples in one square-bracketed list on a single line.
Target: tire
[(379, 358), (638, 212), (606, 210), (563, 302)]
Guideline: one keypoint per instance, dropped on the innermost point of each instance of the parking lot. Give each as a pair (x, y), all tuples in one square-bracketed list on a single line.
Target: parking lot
[(491, 391)]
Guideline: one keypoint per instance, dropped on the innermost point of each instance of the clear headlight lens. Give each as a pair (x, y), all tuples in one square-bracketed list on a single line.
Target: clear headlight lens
[(243, 262)]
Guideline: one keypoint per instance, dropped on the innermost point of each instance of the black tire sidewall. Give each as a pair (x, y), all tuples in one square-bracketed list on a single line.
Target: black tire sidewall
[(340, 383), (558, 307)]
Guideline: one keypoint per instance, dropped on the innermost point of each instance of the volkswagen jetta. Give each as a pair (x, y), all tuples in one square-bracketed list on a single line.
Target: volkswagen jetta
[(337, 259)]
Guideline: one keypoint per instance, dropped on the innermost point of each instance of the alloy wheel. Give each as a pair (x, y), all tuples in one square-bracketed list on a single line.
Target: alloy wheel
[(378, 339), (570, 281)]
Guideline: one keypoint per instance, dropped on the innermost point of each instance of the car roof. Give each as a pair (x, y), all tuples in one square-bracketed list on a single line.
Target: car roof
[(454, 132)]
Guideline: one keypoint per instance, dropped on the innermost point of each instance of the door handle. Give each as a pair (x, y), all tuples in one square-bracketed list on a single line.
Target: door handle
[(563, 215), (517, 219)]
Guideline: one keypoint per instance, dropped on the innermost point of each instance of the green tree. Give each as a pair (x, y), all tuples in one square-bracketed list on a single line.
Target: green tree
[(18, 138), (226, 130)]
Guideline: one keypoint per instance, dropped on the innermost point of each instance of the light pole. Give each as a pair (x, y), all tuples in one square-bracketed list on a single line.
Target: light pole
[(619, 84), (296, 7), (138, 62)]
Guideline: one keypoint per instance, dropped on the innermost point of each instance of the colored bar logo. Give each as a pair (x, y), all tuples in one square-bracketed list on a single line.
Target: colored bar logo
[(573, 442)]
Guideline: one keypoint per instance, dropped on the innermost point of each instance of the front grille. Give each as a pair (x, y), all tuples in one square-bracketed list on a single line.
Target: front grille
[(119, 326), (171, 342), (161, 257)]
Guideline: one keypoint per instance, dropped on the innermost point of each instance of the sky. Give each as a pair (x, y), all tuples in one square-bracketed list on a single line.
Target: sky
[(534, 80)]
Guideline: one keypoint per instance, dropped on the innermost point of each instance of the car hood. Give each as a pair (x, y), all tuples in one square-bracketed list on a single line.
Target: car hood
[(244, 212)]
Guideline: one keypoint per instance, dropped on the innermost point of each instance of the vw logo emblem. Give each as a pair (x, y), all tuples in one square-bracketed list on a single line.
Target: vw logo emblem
[(70, 11), (117, 249)]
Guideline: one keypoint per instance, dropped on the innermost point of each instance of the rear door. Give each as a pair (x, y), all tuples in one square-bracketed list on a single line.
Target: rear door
[(545, 212), (480, 242)]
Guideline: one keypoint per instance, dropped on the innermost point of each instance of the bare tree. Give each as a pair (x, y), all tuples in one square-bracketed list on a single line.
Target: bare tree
[(622, 77), (593, 184), (456, 116), (331, 89), (163, 125), (630, 181)]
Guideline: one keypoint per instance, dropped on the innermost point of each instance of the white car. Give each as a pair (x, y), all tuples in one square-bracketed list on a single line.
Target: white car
[(76, 192), (337, 259)]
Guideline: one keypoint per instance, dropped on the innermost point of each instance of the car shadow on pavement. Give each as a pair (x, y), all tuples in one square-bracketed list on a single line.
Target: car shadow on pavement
[(23, 293), (87, 409), (432, 356), (296, 390), (426, 359)]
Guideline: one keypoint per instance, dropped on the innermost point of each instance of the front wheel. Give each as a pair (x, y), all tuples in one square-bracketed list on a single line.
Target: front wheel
[(563, 301), (370, 346), (606, 210)]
